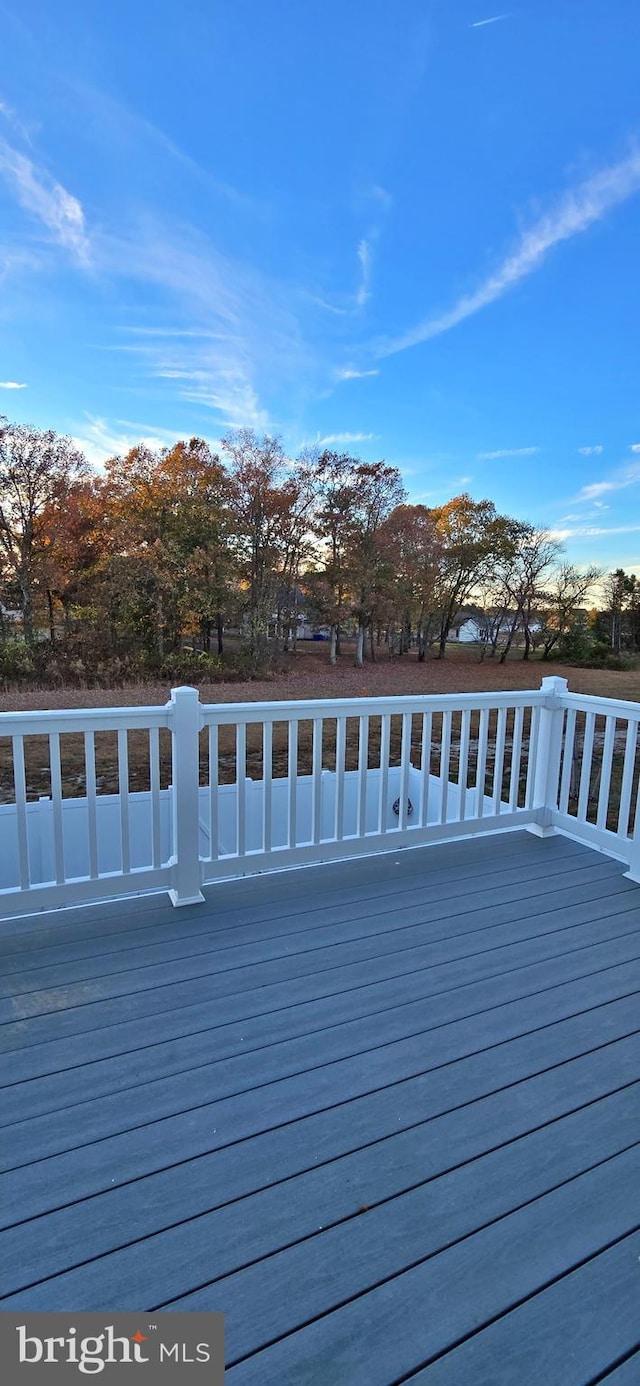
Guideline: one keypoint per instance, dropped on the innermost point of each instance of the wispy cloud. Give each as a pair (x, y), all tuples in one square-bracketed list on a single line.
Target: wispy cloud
[(577, 210), (99, 438), (635, 447), (13, 120), (40, 195), (618, 481), (344, 438), (506, 452), (365, 257), (12, 385), (592, 451), (380, 195), (593, 531), (350, 373), (494, 19), (225, 336)]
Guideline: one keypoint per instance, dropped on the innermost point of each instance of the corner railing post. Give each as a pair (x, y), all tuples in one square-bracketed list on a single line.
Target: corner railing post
[(633, 874), (184, 708), (546, 772)]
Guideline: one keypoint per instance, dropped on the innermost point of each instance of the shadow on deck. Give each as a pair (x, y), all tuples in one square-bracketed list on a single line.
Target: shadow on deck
[(385, 1114)]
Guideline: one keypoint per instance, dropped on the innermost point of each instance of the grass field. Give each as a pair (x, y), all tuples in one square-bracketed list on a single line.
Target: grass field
[(308, 674), (305, 675)]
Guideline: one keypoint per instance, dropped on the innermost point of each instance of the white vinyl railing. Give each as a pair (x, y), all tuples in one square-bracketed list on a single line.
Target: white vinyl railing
[(110, 802)]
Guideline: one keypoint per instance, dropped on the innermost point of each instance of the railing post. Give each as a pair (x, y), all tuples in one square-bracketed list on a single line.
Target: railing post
[(633, 874), (184, 709), (546, 773)]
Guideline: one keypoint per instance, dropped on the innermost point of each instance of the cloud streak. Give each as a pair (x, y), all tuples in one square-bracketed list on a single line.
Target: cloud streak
[(365, 257), (575, 212), (593, 531), (595, 450), (494, 19), (12, 385), (506, 452), (619, 481), (344, 438), (99, 439), (350, 373), (42, 197)]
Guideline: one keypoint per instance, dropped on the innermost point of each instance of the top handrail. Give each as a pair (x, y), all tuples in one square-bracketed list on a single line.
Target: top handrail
[(82, 719), (591, 702), (34, 723), (305, 709)]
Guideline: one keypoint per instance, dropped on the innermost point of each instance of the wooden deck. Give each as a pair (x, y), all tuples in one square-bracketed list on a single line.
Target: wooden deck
[(385, 1114)]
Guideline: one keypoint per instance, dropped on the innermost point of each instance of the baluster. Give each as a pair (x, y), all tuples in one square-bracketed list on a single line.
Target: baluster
[(445, 757), (516, 756), (585, 771), (316, 781), (241, 788), (56, 799), (123, 794), (20, 787), (385, 742), (341, 743), (481, 762), (425, 767), (405, 761), (293, 780), (627, 778), (534, 736), (267, 785), (214, 846), (498, 764), (363, 764), (463, 763), (567, 760), (92, 814), (605, 772)]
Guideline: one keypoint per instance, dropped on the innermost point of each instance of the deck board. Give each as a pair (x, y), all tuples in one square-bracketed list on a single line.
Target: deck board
[(391, 1103)]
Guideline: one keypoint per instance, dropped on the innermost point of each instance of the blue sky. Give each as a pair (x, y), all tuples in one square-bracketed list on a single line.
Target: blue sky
[(407, 227)]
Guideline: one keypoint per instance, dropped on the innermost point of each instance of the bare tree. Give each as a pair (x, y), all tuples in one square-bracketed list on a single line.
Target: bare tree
[(568, 588), (534, 555)]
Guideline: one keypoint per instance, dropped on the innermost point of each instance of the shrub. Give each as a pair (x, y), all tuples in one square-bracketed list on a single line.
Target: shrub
[(16, 661)]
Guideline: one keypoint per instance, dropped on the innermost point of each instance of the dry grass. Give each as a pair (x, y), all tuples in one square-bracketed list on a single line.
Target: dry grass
[(309, 675), (306, 675)]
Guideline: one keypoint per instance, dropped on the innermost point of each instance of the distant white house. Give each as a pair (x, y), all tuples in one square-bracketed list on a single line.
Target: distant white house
[(471, 631), (8, 615), (474, 630)]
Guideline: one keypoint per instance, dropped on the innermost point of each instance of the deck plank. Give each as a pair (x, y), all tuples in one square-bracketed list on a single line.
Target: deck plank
[(525, 1082), (325, 1099), (455, 996), (105, 1163), (68, 1013), (296, 1009), (565, 1336), (392, 1329), (100, 920), (160, 922), (35, 992)]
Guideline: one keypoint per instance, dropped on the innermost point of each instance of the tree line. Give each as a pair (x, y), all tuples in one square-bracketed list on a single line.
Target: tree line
[(122, 568)]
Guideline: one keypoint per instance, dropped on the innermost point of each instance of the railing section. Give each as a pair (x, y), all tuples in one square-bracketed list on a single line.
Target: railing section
[(110, 802), (297, 782), (83, 811), (596, 796)]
